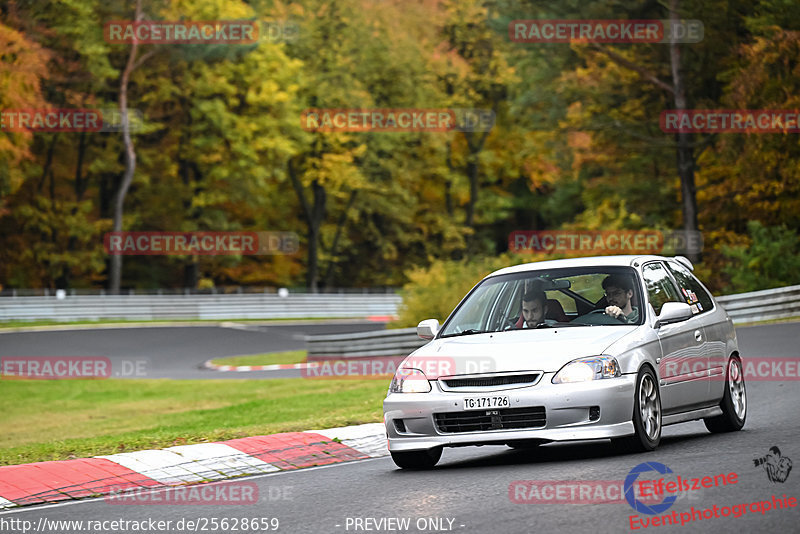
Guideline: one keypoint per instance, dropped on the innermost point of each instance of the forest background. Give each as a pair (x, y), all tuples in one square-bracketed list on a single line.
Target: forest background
[(576, 143)]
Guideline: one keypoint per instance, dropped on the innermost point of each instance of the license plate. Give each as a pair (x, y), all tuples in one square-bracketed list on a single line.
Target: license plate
[(481, 403)]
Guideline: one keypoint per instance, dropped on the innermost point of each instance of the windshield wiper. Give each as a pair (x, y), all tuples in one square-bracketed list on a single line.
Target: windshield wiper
[(466, 333)]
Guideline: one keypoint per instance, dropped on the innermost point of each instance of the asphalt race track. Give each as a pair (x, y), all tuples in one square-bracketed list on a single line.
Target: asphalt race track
[(174, 352), (470, 486)]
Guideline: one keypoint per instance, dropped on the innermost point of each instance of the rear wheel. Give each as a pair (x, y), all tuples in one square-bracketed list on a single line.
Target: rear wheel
[(417, 459), (734, 401), (646, 415)]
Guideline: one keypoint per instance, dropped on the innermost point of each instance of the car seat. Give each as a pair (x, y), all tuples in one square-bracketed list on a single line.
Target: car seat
[(555, 311)]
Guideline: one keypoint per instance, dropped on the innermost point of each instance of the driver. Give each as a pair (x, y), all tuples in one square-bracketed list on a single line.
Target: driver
[(619, 292), (534, 308)]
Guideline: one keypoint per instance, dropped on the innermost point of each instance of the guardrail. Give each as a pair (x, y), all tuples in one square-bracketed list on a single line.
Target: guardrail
[(216, 290), (233, 306), (763, 305), (396, 342), (744, 307)]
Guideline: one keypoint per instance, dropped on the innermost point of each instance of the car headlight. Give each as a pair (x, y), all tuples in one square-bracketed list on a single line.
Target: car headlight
[(410, 381), (585, 369)]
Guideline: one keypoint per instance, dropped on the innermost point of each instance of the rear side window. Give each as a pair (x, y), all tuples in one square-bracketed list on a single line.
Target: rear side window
[(659, 286), (691, 291)]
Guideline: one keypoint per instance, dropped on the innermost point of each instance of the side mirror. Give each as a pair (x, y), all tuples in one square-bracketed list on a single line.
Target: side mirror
[(428, 328), (673, 312)]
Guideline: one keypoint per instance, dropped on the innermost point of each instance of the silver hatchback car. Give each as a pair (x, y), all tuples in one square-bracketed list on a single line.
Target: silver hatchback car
[(608, 347)]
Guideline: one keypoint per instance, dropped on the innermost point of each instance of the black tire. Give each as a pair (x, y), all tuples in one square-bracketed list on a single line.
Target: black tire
[(417, 459), (647, 433), (734, 401)]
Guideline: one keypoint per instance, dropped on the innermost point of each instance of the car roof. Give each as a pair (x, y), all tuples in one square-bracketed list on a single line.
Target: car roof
[(592, 261)]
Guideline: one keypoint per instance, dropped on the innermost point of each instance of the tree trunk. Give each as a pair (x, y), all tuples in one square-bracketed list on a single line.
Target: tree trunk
[(475, 142), (130, 157), (314, 214), (337, 236), (191, 273), (318, 215), (190, 177), (48, 162), (684, 141), (448, 184), (80, 183), (685, 150), (472, 175)]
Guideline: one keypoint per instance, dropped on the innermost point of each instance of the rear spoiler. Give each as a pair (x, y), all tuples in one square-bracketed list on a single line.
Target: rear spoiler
[(683, 260)]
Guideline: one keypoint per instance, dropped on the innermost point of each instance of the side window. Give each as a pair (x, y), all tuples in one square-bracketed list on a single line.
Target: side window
[(503, 305), (514, 307), (691, 291), (476, 316), (659, 286)]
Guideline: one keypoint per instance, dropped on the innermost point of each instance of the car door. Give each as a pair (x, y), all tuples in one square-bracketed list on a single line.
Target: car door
[(715, 324), (682, 369)]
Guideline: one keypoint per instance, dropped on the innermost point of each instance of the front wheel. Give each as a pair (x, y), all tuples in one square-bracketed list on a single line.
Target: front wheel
[(734, 401), (417, 459), (646, 415)]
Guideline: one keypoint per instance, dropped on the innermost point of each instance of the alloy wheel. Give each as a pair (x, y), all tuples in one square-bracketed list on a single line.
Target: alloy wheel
[(649, 406)]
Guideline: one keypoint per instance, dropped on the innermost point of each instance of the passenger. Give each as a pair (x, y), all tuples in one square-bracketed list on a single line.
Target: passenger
[(619, 292), (534, 308)]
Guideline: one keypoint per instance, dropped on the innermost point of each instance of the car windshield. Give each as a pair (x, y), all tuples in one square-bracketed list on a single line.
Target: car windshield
[(587, 296)]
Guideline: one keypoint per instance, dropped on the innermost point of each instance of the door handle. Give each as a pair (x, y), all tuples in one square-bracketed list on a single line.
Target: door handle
[(698, 336)]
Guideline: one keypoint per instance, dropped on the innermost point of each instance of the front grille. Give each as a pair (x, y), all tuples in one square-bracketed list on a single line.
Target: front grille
[(483, 420), (481, 381)]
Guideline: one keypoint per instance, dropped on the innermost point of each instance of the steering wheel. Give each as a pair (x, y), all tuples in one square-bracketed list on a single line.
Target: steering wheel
[(603, 311), (509, 323)]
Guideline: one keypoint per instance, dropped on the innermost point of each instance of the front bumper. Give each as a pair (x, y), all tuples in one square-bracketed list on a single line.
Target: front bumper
[(567, 408)]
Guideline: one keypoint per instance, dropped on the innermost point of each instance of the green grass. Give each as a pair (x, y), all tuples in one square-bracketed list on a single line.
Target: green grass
[(289, 356), (61, 419)]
